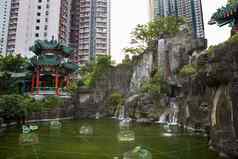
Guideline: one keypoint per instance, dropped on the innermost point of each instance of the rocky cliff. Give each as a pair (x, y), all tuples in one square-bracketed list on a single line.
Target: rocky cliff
[(211, 96), (206, 98)]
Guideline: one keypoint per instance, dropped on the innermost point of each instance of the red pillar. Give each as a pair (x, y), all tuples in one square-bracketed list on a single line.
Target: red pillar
[(56, 82), (59, 83), (33, 83), (38, 81)]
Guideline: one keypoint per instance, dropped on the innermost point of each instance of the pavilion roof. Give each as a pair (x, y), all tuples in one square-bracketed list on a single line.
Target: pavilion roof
[(52, 46), (226, 14)]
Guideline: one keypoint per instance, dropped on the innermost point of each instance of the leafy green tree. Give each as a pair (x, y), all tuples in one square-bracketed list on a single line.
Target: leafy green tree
[(156, 86), (12, 63), (188, 70), (96, 70), (18, 108), (115, 101), (155, 29)]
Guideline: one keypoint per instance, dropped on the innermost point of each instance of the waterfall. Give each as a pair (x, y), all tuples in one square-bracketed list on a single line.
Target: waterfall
[(122, 115), (170, 115), (215, 103), (162, 118), (173, 117)]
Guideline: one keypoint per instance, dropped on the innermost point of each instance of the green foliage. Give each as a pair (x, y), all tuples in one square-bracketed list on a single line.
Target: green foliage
[(94, 71), (134, 50), (116, 98), (155, 29), (188, 70), (115, 101), (158, 27), (51, 102), (157, 85), (72, 87), (17, 106), (12, 63), (8, 64)]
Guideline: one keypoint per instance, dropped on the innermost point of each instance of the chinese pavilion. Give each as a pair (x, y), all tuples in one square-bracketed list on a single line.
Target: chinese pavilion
[(227, 15), (51, 67)]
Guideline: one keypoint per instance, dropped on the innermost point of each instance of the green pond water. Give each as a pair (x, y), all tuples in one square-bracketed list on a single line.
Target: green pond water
[(67, 143)]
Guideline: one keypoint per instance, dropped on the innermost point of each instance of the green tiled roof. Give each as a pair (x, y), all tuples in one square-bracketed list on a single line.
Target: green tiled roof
[(44, 45), (70, 66), (48, 60), (226, 14)]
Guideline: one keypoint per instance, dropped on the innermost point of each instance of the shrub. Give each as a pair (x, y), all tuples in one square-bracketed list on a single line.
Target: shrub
[(188, 70), (157, 85), (115, 101), (16, 107), (96, 70)]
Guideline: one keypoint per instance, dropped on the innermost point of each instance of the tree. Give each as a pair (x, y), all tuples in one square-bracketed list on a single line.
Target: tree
[(94, 71), (155, 29), (12, 63), (114, 102), (8, 64), (18, 108), (156, 86)]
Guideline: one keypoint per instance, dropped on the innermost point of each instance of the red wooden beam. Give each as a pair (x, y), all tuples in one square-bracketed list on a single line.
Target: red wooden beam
[(38, 81), (56, 82), (33, 83)]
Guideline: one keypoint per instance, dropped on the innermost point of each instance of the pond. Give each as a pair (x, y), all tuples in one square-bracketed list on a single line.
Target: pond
[(100, 141)]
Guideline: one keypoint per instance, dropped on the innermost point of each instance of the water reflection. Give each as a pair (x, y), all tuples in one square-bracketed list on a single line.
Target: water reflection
[(139, 152), (86, 130), (28, 139), (170, 130), (126, 136), (55, 124), (124, 124)]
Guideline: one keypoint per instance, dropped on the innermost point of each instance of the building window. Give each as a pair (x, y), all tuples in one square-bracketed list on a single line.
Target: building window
[(38, 14), (37, 28), (45, 34), (46, 27), (37, 35), (47, 6), (39, 7), (46, 19), (39, 1), (38, 20), (46, 13)]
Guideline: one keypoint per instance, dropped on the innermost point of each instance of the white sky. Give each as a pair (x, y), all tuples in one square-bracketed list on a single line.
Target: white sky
[(126, 14)]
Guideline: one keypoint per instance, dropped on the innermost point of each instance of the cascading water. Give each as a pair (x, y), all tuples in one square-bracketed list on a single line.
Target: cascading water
[(173, 116), (170, 115), (121, 115)]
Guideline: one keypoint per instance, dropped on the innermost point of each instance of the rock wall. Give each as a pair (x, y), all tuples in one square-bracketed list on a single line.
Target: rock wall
[(66, 111), (92, 101), (207, 100), (142, 69), (210, 96), (166, 54)]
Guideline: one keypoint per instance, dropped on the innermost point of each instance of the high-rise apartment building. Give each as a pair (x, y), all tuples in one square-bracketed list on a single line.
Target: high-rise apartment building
[(30, 20), (161, 8), (191, 9), (90, 29), (4, 18)]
